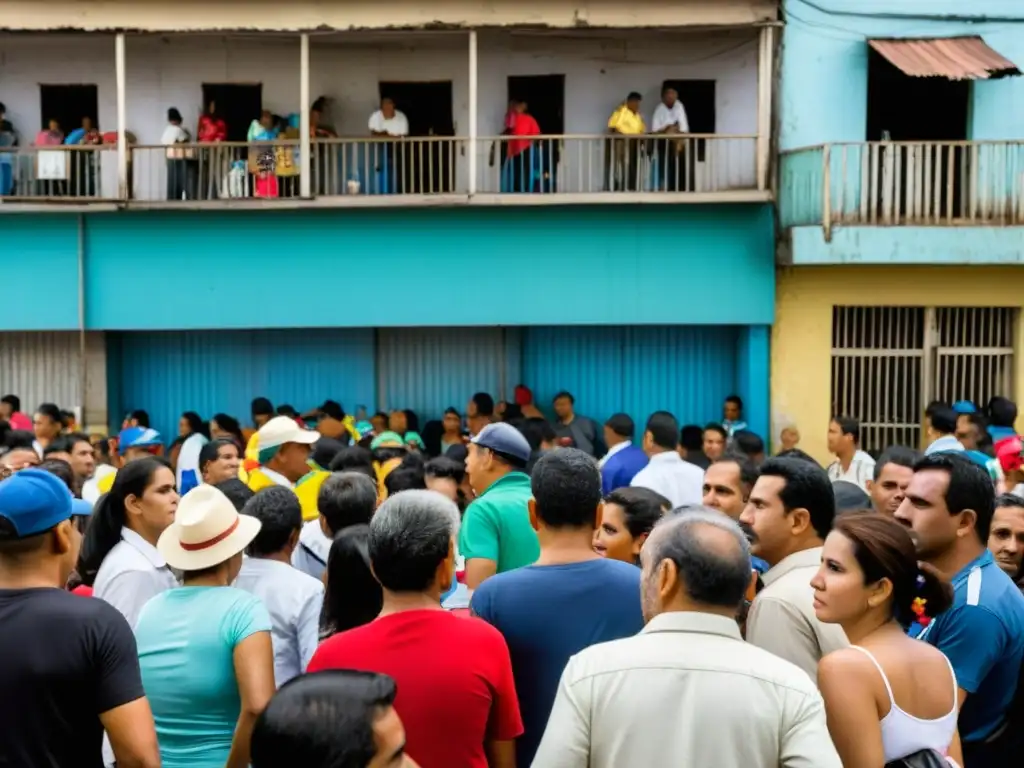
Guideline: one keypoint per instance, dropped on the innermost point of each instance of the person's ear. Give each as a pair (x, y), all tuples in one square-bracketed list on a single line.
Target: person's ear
[(62, 538), (799, 521), (531, 505), (598, 515)]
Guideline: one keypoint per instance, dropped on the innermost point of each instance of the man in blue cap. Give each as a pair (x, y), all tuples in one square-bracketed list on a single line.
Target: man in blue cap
[(70, 665), (496, 533)]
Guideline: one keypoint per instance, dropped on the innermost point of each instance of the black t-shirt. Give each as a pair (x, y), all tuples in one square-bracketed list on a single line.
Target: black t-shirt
[(64, 660)]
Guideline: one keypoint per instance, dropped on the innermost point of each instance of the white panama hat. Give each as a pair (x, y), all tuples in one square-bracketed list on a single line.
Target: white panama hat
[(207, 530)]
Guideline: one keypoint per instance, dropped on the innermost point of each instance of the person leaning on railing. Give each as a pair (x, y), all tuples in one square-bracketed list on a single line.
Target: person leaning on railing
[(624, 156)]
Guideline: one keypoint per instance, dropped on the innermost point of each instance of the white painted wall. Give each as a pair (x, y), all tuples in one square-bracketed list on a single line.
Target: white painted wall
[(600, 69), (298, 15)]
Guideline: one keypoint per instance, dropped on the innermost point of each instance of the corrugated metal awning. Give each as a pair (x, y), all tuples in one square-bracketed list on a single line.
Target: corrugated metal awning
[(956, 58)]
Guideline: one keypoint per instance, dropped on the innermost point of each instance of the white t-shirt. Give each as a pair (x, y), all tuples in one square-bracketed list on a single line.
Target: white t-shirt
[(175, 134), (396, 125), (664, 117)]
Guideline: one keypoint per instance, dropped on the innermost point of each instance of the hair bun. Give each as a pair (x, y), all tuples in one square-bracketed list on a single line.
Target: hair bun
[(933, 590)]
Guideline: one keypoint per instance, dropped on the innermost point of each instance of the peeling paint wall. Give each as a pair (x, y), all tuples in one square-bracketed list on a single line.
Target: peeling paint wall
[(266, 15)]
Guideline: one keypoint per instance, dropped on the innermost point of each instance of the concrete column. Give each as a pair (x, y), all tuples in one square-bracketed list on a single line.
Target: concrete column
[(306, 145), (473, 108)]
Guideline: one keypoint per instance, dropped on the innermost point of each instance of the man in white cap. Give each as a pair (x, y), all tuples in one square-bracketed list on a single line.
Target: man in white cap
[(283, 455)]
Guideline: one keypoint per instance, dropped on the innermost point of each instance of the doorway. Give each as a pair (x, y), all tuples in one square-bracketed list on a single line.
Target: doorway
[(425, 167), (238, 105), (918, 109), (68, 104), (545, 99)]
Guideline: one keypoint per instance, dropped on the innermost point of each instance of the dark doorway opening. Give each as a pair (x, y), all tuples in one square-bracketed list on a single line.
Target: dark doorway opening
[(545, 100), (238, 105), (917, 109), (427, 166), (698, 97), (68, 104)]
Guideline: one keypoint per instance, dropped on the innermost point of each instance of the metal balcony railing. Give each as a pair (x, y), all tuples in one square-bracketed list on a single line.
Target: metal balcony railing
[(892, 183), (581, 164), (531, 167), (58, 173)]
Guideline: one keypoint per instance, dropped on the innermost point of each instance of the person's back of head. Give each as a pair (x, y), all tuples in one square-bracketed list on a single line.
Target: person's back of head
[(696, 560), (661, 432), (237, 492), (13, 402), (325, 450), (538, 432), (943, 421), (805, 486), (691, 437), (353, 596), (566, 488), (279, 511), (61, 469), (484, 404), (329, 719), (140, 417), (404, 479), (351, 457), (412, 542), (346, 498), (18, 438), (796, 453), (1001, 412), (850, 497), (748, 443)]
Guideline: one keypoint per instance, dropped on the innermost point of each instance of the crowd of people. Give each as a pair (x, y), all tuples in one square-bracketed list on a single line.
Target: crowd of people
[(507, 591)]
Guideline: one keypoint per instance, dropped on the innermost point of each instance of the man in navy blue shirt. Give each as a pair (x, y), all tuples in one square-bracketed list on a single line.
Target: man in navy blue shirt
[(948, 508), (623, 460), (570, 599)]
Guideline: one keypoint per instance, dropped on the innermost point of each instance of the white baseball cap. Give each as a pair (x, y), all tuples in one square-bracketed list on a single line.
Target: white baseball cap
[(282, 429)]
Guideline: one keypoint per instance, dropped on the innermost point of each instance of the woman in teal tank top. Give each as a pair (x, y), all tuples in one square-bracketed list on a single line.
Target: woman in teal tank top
[(204, 648)]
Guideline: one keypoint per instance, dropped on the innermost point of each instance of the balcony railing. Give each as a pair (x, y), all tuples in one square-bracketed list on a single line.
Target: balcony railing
[(547, 165), (356, 171), (903, 183), (58, 173)]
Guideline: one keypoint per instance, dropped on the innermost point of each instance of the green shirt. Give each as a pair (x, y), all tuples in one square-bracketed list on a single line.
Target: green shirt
[(497, 525)]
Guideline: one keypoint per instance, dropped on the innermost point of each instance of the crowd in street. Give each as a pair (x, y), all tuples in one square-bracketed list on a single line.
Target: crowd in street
[(348, 591)]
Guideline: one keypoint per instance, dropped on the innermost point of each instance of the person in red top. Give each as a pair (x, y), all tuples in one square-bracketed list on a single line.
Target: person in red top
[(456, 694), (519, 163)]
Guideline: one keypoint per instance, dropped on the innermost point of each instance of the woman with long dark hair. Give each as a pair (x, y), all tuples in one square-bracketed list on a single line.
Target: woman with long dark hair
[(222, 425), (119, 558), (353, 597), (888, 697)]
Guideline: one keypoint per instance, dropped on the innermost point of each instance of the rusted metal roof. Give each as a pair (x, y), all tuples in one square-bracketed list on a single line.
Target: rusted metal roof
[(956, 58)]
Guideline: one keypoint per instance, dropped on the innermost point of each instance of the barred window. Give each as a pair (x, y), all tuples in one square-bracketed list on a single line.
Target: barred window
[(888, 363)]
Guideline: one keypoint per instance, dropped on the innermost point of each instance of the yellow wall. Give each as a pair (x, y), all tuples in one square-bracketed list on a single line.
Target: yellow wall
[(802, 335)]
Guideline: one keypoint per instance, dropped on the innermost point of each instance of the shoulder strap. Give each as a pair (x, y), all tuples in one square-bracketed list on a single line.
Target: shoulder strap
[(888, 688)]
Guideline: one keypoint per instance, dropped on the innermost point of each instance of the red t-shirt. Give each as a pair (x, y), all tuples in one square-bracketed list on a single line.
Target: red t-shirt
[(454, 677)]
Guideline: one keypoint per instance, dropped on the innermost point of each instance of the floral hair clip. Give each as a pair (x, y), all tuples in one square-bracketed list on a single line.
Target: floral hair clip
[(920, 581), (918, 608)]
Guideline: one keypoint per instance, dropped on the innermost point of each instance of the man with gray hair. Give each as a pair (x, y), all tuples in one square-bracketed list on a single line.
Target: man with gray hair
[(687, 690), (457, 697)]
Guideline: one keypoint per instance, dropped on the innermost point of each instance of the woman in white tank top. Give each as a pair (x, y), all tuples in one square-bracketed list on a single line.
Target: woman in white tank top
[(888, 696)]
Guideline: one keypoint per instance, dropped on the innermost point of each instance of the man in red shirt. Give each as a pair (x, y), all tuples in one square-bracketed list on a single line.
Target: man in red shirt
[(456, 694)]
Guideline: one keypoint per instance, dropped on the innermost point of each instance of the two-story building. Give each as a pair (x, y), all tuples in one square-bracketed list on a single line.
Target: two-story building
[(200, 203), (901, 202)]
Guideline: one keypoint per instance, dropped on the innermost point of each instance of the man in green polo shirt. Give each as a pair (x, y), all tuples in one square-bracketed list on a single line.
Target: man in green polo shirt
[(496, 534)]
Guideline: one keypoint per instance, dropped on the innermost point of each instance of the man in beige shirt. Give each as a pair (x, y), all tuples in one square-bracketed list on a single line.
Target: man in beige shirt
[(790, 510), (687, 691)]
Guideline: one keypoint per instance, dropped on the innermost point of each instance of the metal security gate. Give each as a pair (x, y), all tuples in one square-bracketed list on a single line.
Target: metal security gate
[(888, 363)]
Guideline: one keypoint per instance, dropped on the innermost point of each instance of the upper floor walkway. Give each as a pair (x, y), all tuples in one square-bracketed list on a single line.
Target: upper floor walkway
[(297, 121)]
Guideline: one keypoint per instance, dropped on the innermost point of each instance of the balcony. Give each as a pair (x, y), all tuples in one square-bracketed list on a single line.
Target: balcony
[(455, 86), (903, 202)]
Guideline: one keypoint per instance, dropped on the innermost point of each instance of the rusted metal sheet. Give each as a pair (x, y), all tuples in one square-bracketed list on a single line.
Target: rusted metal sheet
[(956, 58)]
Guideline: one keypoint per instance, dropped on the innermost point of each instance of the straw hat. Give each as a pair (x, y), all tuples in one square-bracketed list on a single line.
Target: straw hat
[(207, 530)]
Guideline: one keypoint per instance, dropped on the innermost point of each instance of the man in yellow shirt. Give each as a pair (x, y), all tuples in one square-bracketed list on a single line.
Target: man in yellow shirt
[(627, 126), (283, 457)]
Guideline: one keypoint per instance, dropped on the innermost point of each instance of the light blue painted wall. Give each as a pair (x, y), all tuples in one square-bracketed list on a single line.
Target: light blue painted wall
[(908, 245), (825, 54), (39, 273), (688, 370), (653, 264)]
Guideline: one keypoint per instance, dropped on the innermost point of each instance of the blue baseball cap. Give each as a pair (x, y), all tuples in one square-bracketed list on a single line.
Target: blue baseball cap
[(504, 438), (964, 406), (137, 437), (34, 501)]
